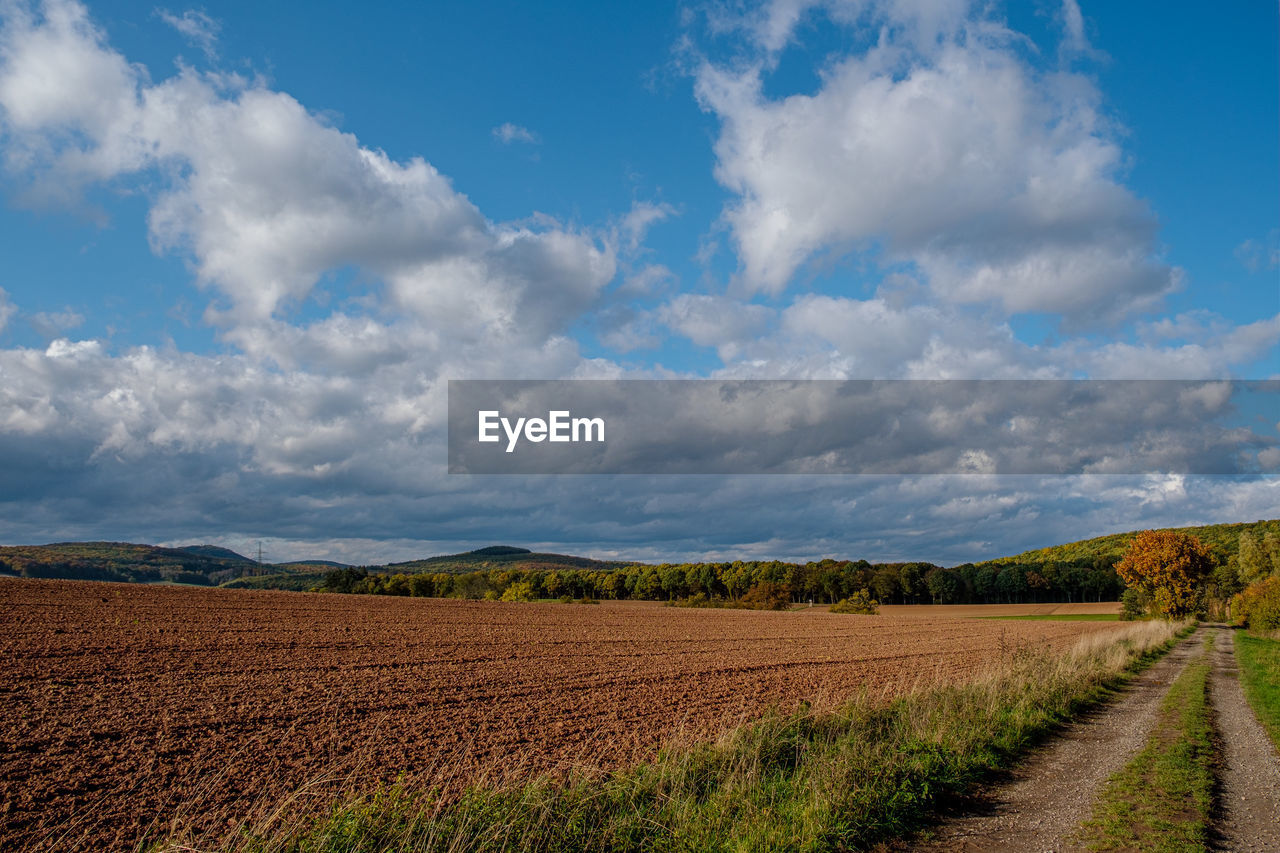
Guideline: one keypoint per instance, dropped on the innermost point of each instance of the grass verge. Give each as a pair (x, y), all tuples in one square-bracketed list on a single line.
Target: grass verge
[(1259, 660), (1162, 799), (803, 781)]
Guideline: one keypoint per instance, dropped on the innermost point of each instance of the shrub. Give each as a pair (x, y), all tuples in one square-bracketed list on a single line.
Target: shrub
[(1133, 605), (699, 599), (860, 602), (566, 599), (518, 592), (1258, 607), (766, 596)]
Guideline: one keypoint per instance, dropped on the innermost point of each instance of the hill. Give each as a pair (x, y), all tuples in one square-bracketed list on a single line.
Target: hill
[(125, 561), (502, 557), (211, 565), (299, 581), (216, 553), (1222, 539), (304, 575)]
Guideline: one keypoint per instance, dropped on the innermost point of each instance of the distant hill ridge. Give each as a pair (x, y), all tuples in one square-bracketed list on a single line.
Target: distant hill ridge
[(1222, 539), (213, 565), (125, 561), (502, 556), (218, 553)]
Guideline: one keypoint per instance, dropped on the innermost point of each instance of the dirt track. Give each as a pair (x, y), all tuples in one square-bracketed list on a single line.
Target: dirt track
[(1049, 795), (1042, 805), (1250, 774), (127, 705)]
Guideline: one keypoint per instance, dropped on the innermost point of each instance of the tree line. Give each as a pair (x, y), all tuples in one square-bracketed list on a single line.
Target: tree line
[(765, 583)]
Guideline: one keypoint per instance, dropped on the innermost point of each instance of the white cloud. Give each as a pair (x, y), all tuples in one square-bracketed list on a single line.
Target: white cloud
[(267, 197), (821, 336), (1212, 355), (624, 329), (196, 25), (507, 133), (718, 321), (639, 219), (1256, 255), (54, 324), (772, 26), (333, 429), (1073, 26), (7, 309), (944, 150)]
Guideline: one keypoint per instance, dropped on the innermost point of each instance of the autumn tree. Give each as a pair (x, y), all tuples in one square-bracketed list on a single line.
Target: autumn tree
[(1169, 568)]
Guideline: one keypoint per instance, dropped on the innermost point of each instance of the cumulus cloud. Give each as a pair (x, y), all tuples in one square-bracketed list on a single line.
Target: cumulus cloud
[(333, 427), (818, 336), (266, 196), (507, 133), (717, 321), (942, 147), (1207, 356)]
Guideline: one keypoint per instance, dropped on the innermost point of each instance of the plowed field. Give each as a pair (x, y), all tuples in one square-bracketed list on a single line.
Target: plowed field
[(127, 708)]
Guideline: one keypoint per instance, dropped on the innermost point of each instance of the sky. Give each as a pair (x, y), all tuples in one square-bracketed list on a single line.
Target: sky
[(245, 247)]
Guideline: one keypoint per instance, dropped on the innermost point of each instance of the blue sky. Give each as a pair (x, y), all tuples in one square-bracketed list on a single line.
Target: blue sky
[(244, 247)]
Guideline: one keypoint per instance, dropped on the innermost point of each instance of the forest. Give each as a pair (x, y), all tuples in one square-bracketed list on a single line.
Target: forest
[(758, 584), (1074, 572)]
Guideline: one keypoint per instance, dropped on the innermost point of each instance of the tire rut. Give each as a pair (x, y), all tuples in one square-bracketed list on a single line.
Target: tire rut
[(1047, 797), (1249, 778)]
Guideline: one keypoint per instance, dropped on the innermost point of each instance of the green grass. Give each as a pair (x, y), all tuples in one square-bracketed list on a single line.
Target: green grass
[(800, 781), (1062, 617), (1259, 660), (1162, 799)]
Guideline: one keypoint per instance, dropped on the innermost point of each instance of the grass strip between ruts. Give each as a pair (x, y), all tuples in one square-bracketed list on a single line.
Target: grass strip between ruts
[(1162, 800)]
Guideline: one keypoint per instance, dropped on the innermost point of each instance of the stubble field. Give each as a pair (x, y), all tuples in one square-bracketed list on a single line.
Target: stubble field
[(131, 709)]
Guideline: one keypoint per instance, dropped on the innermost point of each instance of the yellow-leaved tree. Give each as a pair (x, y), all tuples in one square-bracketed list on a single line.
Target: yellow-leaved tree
[(1169, 568)]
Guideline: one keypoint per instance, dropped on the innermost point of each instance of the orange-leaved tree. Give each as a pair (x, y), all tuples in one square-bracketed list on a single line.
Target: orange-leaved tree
[(1169, 568)]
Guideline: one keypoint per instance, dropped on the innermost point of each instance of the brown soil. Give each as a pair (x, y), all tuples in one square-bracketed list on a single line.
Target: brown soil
[(935, 611), (130, 710)]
